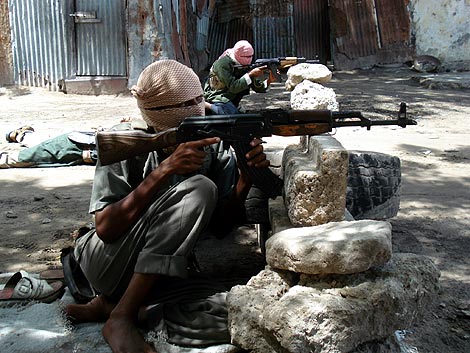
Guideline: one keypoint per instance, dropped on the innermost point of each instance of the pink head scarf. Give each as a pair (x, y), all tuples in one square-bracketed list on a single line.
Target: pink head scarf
[(242, 52)]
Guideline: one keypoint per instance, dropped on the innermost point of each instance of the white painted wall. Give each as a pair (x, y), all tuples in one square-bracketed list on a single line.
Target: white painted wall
[(442, 29)]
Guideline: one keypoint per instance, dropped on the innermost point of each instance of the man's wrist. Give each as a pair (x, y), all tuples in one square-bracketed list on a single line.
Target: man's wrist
[(244, 185), (247, 78)]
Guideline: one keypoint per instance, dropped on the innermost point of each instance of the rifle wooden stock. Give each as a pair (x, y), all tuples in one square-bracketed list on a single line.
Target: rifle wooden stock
[(116, 146)]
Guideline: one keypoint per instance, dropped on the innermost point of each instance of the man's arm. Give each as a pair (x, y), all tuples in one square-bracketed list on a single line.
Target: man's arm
[(224, 71), (117, 218)]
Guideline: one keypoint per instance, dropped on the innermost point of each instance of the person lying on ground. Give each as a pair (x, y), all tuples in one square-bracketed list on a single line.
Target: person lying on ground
[(150, 210), (43, 150)]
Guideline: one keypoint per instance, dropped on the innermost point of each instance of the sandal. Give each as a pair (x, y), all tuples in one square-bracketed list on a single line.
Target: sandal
[(23, 287), (18, 134), (51, 275)]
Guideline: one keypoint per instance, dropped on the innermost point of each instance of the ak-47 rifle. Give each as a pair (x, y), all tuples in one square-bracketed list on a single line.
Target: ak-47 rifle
[(274, 64), (238, 130)]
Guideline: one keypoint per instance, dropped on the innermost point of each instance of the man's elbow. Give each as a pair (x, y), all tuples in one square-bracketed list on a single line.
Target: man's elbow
[(104, 235)]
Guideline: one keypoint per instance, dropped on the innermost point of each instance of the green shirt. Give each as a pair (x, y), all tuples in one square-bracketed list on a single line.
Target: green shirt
[(230, 84)]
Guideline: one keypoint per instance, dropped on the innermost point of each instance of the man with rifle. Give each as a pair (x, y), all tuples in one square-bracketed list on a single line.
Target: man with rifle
[(233, 74), (227, 85), (150, 210)]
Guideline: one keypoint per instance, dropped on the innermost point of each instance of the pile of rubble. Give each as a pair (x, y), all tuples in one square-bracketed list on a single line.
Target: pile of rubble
[(332, 283)]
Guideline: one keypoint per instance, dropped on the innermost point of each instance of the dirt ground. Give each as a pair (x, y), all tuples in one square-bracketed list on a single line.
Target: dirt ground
[(42, 207)]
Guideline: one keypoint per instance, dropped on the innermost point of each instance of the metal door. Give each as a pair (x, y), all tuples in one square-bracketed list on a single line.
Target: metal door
[(100, 37)]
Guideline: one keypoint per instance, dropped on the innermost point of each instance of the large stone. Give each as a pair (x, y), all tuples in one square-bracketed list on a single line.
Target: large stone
[(318, 73), (309, 95), (315, 181), (247, 303), (337, 247), (333, 313)]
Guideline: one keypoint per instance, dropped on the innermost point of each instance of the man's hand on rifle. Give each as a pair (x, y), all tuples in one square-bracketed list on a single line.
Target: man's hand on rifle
[(254, 158), (272, 78), (187, 157), (257, 71)]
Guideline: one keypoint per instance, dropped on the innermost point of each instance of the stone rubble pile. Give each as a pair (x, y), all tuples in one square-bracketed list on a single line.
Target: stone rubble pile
[(331, 284)]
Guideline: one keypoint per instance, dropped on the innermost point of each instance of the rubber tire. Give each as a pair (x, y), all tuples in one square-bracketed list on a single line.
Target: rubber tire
[(374, 185), (256, 205)]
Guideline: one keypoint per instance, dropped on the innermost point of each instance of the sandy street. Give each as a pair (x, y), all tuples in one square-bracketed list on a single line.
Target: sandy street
[(41, 207)]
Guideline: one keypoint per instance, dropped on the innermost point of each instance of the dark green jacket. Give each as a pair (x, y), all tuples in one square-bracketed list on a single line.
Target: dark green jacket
[(226, 83)]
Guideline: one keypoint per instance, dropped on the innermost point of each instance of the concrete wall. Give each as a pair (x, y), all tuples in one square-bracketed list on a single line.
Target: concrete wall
[(6, 74), (442, 29), (170, 29)]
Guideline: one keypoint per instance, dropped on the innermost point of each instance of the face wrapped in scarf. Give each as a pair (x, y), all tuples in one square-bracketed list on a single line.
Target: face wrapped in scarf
[(167, 92)]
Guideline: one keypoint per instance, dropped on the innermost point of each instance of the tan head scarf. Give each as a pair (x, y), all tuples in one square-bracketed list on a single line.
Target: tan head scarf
[(167, 92)]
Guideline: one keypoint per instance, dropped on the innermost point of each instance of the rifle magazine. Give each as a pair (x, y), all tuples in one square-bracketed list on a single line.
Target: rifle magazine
[(263, 178)]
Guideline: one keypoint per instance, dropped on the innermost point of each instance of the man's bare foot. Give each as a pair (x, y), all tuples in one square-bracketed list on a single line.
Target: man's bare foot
[(97, 310), (124, 337)]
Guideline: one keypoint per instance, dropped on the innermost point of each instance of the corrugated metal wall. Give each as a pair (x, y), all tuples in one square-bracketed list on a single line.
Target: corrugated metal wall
[(273, 37), (370, 32), (176, 29), (230, 23), (46, 46), (101, 43), (40, 45), (275, 28), (196, 32), (312, 29), (216, 40), (359, 28)]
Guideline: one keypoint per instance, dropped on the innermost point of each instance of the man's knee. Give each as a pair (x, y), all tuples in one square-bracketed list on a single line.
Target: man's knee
[(203, 189)]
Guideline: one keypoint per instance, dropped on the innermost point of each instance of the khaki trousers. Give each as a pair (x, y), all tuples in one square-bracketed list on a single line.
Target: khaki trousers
[(159, 243)]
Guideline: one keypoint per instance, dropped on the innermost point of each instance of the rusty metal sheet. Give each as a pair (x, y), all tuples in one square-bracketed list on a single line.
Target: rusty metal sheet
[(183, 30), (201, 7), (394, 28), (268, 25), (273, 37), (229, 10), (216, 40), (312, 29), (273, 28), (271, 8), (238, 29), (369, 32), (354, 27)]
